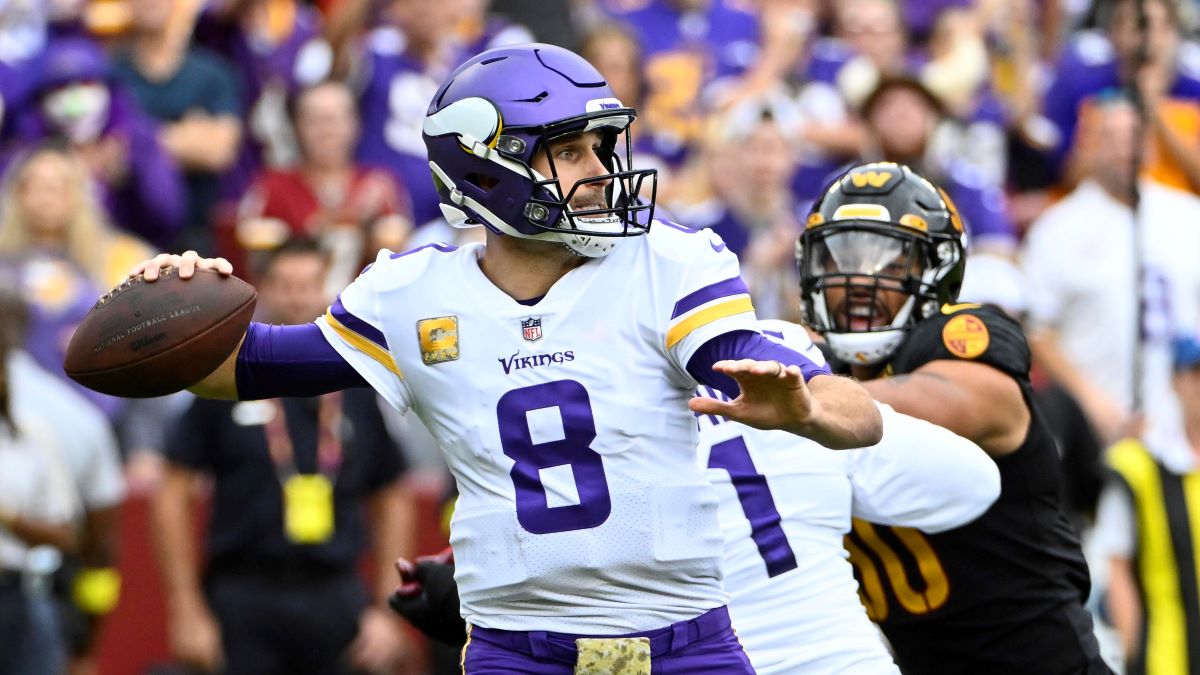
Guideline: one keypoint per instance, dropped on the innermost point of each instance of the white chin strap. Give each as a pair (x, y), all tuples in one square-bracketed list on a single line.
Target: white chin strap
[(865, 349)]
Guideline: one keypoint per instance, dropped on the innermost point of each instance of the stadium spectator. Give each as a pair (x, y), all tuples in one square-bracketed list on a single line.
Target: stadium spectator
[(1085, 324), (193, 94), (76, 101), (280, 593), (48, 207), (740, 187), (279, 50), (53, 230), (615, 52), (36, 505), (352, 210), (401, 67), (904, 120), (1169, 83), (479, 29), (88, 450), (1143, 531), (834, 75), (688, 46)]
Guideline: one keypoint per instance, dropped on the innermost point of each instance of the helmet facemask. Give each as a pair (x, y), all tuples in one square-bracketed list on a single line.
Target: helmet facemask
[(592, 230), (502, 191), (884, 279)]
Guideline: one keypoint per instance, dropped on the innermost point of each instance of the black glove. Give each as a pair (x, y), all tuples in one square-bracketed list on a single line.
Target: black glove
[(428, 598)]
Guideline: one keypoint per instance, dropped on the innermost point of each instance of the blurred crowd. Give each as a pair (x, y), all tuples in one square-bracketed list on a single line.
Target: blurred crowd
[(286, 136)]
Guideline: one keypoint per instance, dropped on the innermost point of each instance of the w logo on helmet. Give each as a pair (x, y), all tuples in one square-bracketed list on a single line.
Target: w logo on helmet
[(876, 179)]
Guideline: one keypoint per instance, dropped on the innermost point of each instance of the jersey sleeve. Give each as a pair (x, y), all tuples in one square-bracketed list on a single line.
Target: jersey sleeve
[(921, 475), (711, 300), (966, 332), (353, 325)]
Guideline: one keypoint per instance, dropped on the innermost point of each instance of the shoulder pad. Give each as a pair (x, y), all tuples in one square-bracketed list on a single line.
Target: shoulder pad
[(966, 332), (393, 270), (677, 242)]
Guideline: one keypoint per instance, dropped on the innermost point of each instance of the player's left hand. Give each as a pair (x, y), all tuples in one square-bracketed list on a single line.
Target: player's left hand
[(773, 396), (380, 643)]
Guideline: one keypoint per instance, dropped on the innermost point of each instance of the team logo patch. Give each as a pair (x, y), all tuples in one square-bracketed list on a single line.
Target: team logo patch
[(531, 328), (966, 336), (438, 338)]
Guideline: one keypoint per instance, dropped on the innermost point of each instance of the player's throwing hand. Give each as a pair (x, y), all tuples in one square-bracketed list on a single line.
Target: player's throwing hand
[(187, 264)]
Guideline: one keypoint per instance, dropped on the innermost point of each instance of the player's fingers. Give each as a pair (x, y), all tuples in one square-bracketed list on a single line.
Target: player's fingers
[(734, 367), (409, 585), (709, 406), (149, 268), (187, 264), (219, 265)]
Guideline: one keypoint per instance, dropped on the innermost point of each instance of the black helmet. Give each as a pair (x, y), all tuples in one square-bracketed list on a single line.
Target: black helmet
[(879, 226)]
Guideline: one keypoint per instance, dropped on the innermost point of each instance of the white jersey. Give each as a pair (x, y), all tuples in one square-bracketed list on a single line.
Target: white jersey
[(1078, 257), (565, 423), (785, 504)]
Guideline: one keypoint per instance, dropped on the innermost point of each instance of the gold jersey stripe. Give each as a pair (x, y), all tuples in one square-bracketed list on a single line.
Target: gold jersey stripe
[(364, 345), (736, 305)]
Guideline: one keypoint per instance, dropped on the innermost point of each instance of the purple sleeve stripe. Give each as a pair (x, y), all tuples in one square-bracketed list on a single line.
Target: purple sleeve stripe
[(774, 333), (721, 289), (356, 324), (444, 248), (744, 344)]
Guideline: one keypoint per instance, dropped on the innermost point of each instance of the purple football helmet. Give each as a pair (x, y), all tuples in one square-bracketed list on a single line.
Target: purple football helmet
[(496, 111)]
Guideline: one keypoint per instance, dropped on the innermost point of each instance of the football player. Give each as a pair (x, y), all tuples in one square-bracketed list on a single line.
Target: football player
[(554, 364), (785, 505), (881, 263)]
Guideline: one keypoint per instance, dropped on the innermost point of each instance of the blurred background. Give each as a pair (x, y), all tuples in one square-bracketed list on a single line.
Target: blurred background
[(176, 536)]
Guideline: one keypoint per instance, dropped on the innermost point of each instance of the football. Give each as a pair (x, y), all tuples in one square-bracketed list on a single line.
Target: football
[(151, 339)]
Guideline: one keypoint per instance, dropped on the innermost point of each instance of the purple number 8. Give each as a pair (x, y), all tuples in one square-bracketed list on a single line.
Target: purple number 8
[(573, 449)]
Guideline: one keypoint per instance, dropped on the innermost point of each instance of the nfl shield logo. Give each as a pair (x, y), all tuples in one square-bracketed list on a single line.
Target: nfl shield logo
[(531, 328)]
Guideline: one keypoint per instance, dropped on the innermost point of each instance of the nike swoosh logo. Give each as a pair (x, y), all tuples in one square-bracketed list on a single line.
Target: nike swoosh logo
[(716, 247)]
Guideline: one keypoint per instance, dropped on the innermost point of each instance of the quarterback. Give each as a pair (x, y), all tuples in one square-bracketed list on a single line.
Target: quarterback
[(555, 366)]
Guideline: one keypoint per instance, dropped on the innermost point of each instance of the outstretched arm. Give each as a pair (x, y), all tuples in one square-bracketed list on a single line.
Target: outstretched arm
[(774, 387), (974, 400)]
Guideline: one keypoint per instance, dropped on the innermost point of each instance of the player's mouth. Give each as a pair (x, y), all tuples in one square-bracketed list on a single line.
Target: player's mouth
[(862, 316), (594, 220)]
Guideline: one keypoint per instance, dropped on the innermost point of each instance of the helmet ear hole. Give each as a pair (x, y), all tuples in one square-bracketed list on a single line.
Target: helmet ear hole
[(484, 183)]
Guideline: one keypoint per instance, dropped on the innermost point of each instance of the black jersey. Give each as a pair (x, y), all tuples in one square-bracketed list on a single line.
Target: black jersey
[(1005, 593)]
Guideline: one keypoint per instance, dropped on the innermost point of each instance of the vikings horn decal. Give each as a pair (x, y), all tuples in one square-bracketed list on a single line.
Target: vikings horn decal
[(474, 120)]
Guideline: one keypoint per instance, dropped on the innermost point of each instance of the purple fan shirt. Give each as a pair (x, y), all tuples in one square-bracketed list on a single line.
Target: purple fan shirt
[(395, 95), (683, 53), (1088, 66), (269, 72), (151, 201)]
